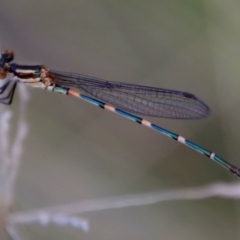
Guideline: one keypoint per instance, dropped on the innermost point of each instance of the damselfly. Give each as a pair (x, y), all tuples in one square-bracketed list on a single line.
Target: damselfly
[(122, 98)]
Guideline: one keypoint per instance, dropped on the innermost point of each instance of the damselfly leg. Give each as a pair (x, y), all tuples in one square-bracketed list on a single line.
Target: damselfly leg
[(7, 91)]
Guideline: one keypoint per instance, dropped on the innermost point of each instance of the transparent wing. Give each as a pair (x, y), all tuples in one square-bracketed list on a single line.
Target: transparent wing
[(137, 99), (7, 88)]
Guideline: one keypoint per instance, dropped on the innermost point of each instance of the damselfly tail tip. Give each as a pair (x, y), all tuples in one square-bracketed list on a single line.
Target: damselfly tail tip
[(235, 170)]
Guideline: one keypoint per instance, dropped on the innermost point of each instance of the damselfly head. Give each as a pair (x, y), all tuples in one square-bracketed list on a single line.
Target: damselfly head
[(7, 56)]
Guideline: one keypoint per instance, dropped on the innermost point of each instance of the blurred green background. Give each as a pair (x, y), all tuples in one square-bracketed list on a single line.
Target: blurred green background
[(75, 151)]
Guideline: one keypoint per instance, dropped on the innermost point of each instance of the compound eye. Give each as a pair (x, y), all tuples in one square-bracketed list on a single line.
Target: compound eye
[(3, 73), (8, 55)]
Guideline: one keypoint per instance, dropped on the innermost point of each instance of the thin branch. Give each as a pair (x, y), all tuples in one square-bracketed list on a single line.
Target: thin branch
[(224, 190)]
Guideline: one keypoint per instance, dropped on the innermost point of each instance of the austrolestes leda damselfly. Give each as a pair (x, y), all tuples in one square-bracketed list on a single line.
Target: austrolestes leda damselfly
[(121, 98)]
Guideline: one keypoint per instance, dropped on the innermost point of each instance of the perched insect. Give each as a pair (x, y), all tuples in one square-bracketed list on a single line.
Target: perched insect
[(122, 98)]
